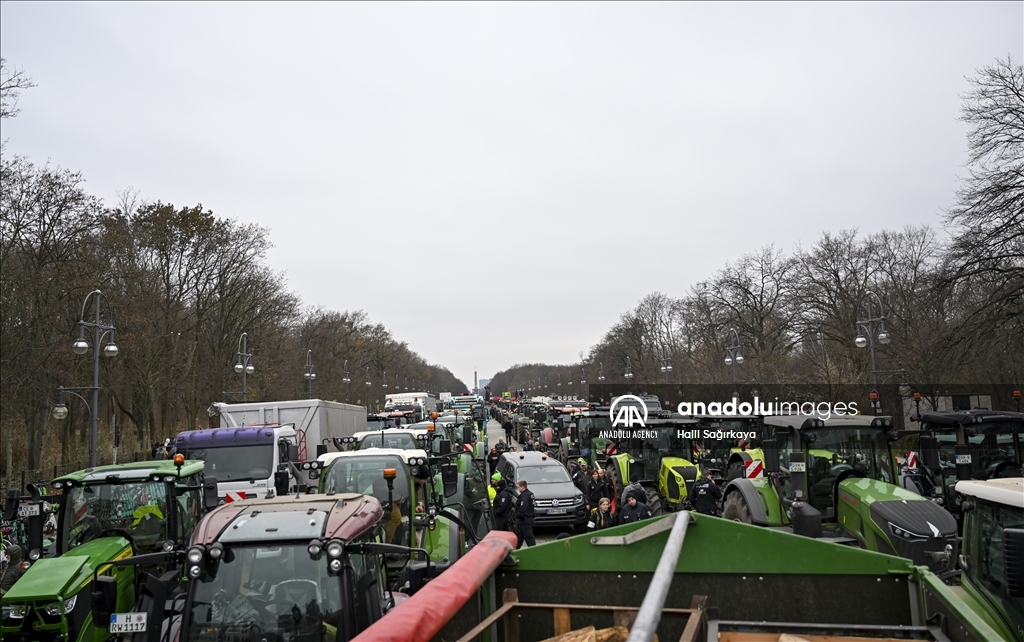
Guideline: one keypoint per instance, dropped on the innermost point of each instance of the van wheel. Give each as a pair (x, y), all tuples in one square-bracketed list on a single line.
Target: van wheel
[(736, 509)]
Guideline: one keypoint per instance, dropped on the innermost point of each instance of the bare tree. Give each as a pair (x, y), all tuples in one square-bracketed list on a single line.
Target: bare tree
[(12, 82)]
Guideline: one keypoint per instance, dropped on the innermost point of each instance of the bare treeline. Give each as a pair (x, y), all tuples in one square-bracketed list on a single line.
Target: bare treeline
[(954, 306), (181, 285)]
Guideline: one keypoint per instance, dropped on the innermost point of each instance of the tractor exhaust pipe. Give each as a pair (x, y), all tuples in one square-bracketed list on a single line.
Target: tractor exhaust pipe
[(647, 619)]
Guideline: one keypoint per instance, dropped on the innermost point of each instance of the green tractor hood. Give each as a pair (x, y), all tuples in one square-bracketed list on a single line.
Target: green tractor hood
[(64, 576)]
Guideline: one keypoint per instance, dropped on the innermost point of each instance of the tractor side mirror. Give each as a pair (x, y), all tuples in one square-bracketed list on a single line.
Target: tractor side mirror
[(467, 433), (450, 479), (281, 483), (771, 455), (11, 507), (104, 600), (1013, 559), (210, 498), (930, 452), (444, 446), (321, 449), (293, 452)]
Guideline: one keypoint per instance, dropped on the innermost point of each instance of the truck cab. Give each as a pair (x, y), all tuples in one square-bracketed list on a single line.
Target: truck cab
[(244, 460), (992, 563)]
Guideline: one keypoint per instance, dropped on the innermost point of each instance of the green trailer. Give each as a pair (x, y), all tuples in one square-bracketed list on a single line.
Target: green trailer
[(692, 577), (105, 514)]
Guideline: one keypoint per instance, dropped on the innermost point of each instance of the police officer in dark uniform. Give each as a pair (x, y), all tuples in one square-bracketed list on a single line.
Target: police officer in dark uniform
[(524, 516), (502, 504), (706, 494)]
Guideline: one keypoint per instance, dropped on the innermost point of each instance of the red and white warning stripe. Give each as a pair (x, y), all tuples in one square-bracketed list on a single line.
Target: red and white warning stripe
[(753, 469), (611, 449), (744, 443), (911, 459), (234, 496)]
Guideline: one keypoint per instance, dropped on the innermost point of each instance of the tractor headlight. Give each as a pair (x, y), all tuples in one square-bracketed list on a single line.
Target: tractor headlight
[(194, 555), (195, 571), (216, 551), (315, 547), (903, 533), (334, 549), (335, 566), (33, 555), (15, 611), (53, 610)]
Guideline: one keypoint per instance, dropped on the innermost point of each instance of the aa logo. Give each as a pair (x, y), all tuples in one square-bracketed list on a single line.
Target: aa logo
[(628, 415)]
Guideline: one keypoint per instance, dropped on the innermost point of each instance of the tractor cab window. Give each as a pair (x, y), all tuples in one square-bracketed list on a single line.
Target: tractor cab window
[(238, 463), (274, 591), (138, 511), (398, 440), (365, 475), (190, 510), (983, 543), (996, 451), (862, 451)]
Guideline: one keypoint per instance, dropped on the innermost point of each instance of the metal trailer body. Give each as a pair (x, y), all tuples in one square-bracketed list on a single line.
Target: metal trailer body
[(727, 576), (315, 420), (426, 401)]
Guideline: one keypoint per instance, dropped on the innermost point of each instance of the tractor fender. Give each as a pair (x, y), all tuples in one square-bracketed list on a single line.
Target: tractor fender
[(745, 488)]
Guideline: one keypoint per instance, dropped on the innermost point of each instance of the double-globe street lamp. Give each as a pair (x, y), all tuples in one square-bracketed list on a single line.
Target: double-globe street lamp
[(101, 330), (243, 362), (733, 356), (866, 326), (309, 375)]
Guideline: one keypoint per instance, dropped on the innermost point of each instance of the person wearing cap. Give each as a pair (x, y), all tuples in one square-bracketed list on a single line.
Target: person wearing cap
[(493, 458), (501, 503)]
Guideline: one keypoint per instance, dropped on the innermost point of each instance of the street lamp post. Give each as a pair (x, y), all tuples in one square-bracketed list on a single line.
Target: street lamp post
[(666, 363), (346, 379), (629, 370), (368, 384), (309, 374), (733, 356), (243, 362), (867, 325), (81, 346), (600, 371)]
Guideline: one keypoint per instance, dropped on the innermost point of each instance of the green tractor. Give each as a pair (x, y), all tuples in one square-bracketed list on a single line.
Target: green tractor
[(431, 503), (105, 514), (664, 455), (992, 576), (731, 445), (962, 445), (837, 478)]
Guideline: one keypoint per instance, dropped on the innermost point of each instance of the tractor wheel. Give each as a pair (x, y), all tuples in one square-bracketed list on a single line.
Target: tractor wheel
[(612, 471), (654, 502), (736, 509), (736, 471)]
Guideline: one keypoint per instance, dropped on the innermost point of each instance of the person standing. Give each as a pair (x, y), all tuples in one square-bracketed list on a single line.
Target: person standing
[(492, 459), (524, 516), (706, 495), (601, 516), (606, 486), (592, 492), (634, 489), (633, 511), (502, 503), (507, 427)]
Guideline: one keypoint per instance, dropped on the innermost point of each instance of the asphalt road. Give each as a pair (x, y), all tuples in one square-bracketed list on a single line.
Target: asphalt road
[(548, 534)]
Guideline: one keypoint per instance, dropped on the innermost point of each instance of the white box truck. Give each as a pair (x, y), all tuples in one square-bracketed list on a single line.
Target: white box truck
[(315, 420)]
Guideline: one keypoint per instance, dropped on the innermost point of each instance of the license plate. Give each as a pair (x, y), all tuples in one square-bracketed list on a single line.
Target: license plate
[(798, 467), (556, 511), (963, 459), (128, 623), (28, 510)]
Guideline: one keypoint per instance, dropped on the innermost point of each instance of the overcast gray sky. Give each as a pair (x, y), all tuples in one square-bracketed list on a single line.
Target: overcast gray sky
[(552, 153)]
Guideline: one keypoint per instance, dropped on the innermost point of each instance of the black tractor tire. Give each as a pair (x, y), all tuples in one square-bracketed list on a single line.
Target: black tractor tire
[(654, 502), (612, 472), (736, 509)]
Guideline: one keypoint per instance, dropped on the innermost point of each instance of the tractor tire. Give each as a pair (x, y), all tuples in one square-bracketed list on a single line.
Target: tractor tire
[(612, 472), (654, 502), (736, 509)]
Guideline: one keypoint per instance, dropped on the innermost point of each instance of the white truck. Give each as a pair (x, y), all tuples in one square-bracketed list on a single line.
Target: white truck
[(316, 421), (423, 402)]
